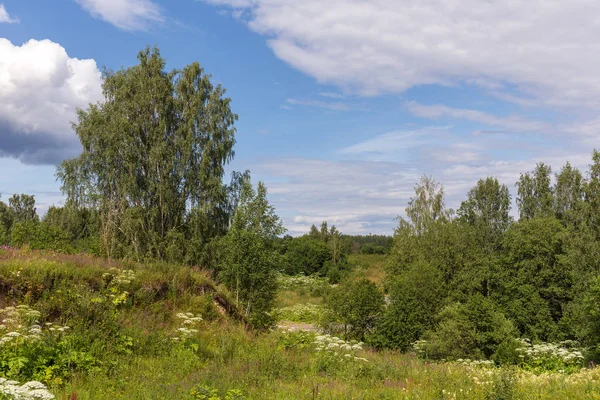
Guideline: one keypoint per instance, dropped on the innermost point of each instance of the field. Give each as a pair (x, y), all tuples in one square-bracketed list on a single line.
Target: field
[(159, 331)]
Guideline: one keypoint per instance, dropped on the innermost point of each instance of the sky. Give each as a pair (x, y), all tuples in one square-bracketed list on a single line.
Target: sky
[(342, 104)]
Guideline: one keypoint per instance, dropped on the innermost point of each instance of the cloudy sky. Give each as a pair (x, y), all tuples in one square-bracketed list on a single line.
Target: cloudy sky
[(343, 104)]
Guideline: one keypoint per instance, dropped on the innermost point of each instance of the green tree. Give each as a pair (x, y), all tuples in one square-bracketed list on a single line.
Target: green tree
[(474, 330), (415, 297), (592, 194), (6, 221), (427, 206), (305, 255), (153, 150), (249, 256), (534, 272), (569, 195), (487, 208), (357, 305), (22, 207), (535, 195)]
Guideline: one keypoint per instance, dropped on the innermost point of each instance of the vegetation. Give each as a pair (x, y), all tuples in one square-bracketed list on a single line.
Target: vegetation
[(154, 262)]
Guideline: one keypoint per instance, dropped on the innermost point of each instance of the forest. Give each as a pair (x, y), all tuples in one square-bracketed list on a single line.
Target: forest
[(157, 258)]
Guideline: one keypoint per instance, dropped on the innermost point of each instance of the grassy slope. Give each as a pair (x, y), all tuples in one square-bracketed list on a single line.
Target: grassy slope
[(223, 354)]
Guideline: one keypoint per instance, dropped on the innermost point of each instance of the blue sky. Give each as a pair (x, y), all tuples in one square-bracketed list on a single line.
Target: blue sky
[(342, 105)]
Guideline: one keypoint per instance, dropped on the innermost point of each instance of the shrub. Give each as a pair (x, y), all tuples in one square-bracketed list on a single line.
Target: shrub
[(474, 330), (306, 256), (355, 304), (415, 297)]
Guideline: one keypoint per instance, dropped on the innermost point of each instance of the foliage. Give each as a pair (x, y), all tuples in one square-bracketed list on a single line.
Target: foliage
[(541, 357), (152, 151), (469, 330), (357, 305), (487, 208), (305, 255), (249, 258), (415, 297), (301, 313), (32, 390), (427, 206), (535, 194), (137, 359)]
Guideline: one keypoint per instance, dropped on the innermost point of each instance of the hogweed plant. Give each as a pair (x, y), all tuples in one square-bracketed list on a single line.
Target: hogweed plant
[(33, 390), (189, 324), (562, 357), (301, 313), (334, 347), (27, 348), (119, 284), (287, 282)]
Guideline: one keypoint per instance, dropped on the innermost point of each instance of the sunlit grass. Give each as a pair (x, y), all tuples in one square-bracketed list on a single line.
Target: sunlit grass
[(370, 266)]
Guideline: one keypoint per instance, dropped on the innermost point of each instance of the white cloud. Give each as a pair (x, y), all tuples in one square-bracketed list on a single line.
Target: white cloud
[(331, 95), (545, 49), (362, 197), (328, 105), (512, 123), (40, 89), (5, 18), (129, 15), (350, 194)]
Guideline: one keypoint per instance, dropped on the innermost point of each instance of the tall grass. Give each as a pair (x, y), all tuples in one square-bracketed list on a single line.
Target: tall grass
[(127, 330)]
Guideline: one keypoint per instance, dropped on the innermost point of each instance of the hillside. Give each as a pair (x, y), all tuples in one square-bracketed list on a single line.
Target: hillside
[(158, 331)]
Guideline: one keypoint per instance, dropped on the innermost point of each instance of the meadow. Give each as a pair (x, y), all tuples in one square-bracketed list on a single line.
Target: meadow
[(89, 328)]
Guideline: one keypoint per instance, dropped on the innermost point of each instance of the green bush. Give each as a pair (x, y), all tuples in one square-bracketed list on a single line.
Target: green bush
[(357, 305), (307, 256), (415, 297), (473, 330)]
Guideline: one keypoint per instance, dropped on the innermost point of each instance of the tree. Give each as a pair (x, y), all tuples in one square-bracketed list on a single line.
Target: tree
[(474, 330), (535, 276), (6, 221), (487, 208), (427, 206), (356, 304), (568, 195), (535, 195), (416, 296), (305, 255), (592, 194), (22, 207), (153, 150), (249, 257)]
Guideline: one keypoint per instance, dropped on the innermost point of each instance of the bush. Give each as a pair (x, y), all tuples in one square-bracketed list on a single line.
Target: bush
[(415, 297), (306, 256), (355, 304), (473, 330)]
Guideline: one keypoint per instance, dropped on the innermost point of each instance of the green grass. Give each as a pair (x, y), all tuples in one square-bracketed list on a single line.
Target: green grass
[(127, 343), (370, 266)]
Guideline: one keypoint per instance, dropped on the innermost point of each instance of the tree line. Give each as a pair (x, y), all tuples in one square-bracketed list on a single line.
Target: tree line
[(467, 283)]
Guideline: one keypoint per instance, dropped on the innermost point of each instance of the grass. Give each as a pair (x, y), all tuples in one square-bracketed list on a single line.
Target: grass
[(370, 266), (127, 343)]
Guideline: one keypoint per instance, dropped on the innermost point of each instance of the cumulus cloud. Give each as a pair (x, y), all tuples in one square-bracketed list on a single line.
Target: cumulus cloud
[(129, 15), (547, 50), (5, 18), (40, 89)]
